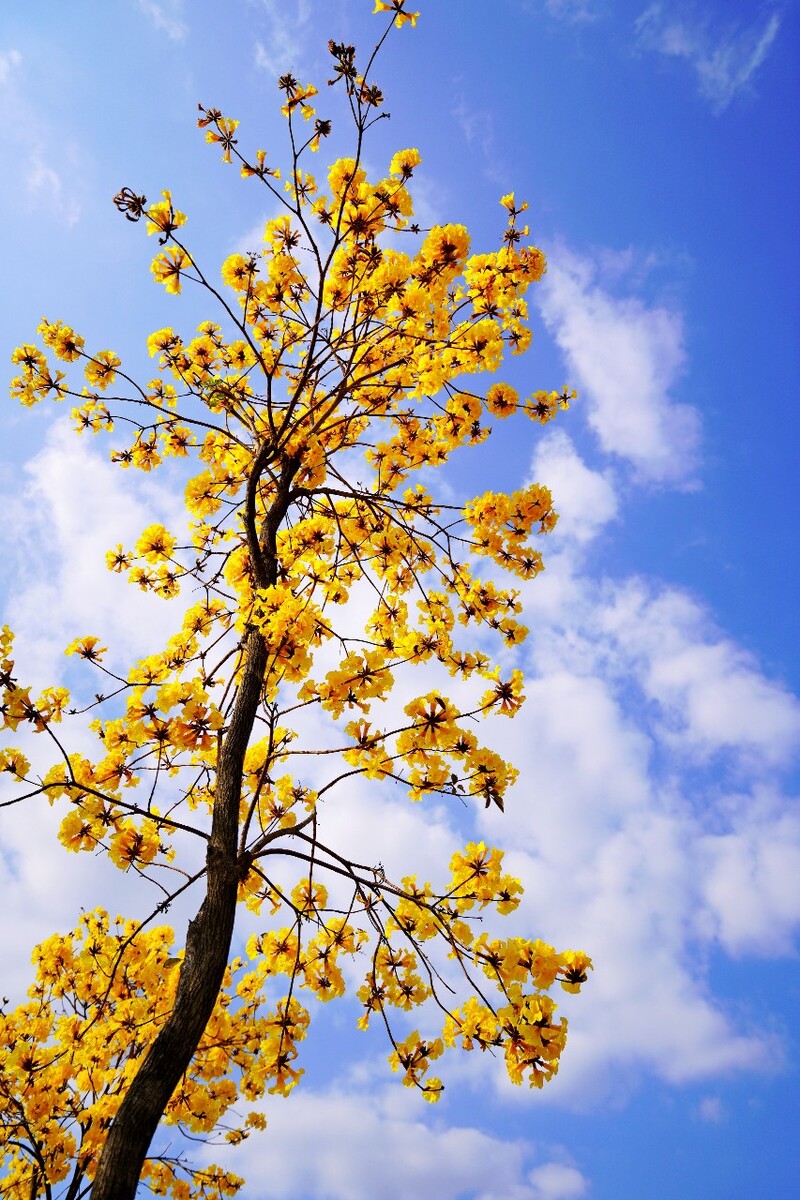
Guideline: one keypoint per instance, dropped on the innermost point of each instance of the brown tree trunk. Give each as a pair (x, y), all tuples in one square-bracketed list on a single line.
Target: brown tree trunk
[(208, 943), (209, 936)]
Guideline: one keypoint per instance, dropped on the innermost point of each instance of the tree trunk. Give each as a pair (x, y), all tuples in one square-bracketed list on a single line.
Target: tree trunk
[(209, 936), (208, 943)]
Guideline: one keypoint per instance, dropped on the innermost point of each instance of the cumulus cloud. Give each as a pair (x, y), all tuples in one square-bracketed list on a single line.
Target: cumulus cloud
[(64, 509), (625, 358), (72, 507), (381, 1144), (709, 692), (46, 888), (611, 856), (649, 823), (751, 877), (724, 61)]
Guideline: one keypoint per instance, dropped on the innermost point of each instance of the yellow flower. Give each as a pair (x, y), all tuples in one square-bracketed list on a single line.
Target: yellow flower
[(30, 357), (222, 134), (398, 7), (238, 272), (65, 343), (168, 267), (117, 560), (403, 163), (510, 203), (345, 175), (161, 340), (502, 400), (163, 218), (15, 762), (101, 370), (87, 647), (155, 544)]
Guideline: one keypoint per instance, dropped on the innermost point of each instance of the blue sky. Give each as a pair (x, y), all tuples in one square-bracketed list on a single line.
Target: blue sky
[(656, 821)]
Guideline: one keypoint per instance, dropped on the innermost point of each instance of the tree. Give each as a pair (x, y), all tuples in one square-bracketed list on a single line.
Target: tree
[(317, 410)]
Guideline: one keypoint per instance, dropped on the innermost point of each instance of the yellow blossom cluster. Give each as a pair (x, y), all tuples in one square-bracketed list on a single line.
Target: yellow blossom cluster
[(100, 996)]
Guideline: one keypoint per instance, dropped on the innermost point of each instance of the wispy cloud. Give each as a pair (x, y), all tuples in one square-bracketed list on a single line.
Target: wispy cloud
[(9, 61), (625, 356), (478, 128), (284, 48), (45, 186), (710, 1109), (574, 11), (38, 166), (724, 60), (166, 17)]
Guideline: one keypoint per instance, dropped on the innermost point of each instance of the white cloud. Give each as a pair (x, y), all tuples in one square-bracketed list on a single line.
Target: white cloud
[(709, 692), (584, 499), (74, 507), (384, 1143), (751, 878), (724, 62), (70, 506), (624, 357), (612, 862), (629, 847), (554, 1181), (9, 61), (649, 823), (166, 17), (45, 887)]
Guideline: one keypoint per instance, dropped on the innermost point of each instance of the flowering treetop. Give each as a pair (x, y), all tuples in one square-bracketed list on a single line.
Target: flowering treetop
[(336, 374)]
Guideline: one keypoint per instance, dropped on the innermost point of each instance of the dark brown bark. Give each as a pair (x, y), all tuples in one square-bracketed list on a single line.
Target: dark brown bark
[(208, 942), (208, 938)]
